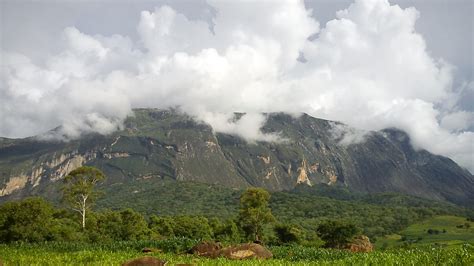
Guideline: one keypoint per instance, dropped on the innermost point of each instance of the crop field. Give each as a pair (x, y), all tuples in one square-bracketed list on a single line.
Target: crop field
[(446, 231), (173, 252)]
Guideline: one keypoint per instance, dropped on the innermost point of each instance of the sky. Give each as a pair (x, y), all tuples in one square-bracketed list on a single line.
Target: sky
[(372, 64)]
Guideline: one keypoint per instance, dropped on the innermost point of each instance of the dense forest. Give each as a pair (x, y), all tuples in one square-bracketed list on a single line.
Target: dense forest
[(204, 212)]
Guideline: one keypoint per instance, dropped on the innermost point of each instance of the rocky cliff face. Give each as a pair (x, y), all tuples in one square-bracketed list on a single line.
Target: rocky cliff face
[(164, 144)]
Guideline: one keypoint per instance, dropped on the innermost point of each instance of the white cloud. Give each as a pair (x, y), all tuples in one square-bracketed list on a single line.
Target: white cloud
[(458, 121), (248, 126), (346, 135), (368, 68)]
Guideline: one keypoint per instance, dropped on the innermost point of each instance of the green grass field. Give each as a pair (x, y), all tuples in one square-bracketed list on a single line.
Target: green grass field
[(117, 253), (446, 231), (448, 244)]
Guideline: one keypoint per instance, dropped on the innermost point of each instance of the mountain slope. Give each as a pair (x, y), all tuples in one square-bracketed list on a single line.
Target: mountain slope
[(157, 145)]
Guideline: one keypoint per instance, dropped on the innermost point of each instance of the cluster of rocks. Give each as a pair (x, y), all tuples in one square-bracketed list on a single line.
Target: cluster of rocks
[(210, 249), (360, 244), (145, 261), (236, 252)]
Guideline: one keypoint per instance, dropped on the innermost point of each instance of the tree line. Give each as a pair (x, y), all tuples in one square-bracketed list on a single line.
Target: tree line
[(36, 220)]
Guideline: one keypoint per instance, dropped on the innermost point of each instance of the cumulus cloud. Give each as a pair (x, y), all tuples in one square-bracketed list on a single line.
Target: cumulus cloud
[(368, 68)]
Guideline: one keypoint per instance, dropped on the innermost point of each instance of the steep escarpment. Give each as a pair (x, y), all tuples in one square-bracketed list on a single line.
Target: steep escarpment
[(158, 144)]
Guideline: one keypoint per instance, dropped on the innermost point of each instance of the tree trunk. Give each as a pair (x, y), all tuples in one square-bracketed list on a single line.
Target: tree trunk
[(83, 219), (256, 235), (83, 212)]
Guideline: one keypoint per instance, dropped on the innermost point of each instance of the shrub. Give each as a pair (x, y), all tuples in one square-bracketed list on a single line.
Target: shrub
[(336, 234)]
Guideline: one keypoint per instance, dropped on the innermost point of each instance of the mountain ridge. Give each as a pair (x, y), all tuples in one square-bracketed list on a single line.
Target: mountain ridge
[(157, 144)]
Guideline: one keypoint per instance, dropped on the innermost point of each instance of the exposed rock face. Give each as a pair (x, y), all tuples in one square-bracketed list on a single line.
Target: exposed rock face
[(145, 261), (332, 177), (164, 144), (56, 168), (15, 183), (116, 155), (265, 159), (67, 162), (246, 251), (207, 249), (314, 168), (360, 244), (73, 162), (303, 176), (211, 145)]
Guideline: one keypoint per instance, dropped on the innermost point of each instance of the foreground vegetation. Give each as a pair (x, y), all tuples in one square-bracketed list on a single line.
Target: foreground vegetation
[(306, 221), (173, 251), (56, 237)]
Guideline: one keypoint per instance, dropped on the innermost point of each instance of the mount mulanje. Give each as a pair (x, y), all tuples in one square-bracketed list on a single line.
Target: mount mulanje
[(163, 144)]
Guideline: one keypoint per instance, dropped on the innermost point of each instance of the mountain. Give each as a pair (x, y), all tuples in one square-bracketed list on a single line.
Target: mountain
[(158, 145)]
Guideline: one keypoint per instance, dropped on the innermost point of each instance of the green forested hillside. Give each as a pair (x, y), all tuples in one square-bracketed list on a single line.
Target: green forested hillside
[(376, 214)]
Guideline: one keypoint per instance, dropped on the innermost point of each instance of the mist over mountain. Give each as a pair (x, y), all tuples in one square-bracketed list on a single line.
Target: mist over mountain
[(162, 145), (368, 67)]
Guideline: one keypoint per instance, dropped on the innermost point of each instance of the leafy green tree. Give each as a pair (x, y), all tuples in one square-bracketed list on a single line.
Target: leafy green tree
[(27, 220), (194, 227), (134, 225), (231, 232), (105, 226), (161, 226), (216, 224), (225, 231), (336, 234), (79, 189), (65, 227), (254, 212), (120, 225), (287, 233)]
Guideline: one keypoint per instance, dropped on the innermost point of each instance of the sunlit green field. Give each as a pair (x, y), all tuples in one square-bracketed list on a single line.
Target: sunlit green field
[(117, 253), (447, 231)]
